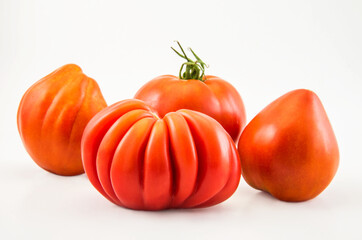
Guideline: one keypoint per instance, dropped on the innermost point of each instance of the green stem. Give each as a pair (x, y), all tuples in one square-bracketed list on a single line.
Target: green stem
[(193, 69)]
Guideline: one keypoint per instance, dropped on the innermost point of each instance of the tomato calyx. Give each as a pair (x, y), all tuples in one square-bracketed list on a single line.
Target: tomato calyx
[(193, 69)]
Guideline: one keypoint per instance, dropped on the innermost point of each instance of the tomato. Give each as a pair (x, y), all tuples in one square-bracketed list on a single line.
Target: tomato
[(52, 116), (140, 161), (193, 90), (289, 148), (214, 97)]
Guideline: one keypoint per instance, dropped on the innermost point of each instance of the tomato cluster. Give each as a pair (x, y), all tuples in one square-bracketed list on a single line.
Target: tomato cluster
[(169, 149)]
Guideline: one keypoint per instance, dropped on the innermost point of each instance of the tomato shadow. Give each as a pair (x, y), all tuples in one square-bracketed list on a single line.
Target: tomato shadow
[(183, 211)]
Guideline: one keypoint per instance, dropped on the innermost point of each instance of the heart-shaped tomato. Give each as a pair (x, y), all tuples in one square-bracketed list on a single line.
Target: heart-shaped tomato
[(52, 116), (289, 148)]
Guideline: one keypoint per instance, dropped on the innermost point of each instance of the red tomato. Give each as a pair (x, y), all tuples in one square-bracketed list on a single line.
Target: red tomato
[(214, 97), (140, 161), (193, 90), (52, 116), (289, 148)]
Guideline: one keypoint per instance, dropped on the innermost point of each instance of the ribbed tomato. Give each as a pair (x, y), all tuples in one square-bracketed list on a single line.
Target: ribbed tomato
[(140, 161), (52, 116)]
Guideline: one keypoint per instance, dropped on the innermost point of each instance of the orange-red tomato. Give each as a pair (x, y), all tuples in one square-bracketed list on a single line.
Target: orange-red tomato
[(289, 148), (140, 161), (52, 116), (213, 96)]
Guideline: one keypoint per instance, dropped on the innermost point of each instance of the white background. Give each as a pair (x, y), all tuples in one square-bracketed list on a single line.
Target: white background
[(264, 48)]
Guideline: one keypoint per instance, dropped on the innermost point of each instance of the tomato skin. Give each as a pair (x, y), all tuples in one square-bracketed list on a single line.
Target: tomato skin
[(289, 148), (52, 115), (214, 97), (140, 161)]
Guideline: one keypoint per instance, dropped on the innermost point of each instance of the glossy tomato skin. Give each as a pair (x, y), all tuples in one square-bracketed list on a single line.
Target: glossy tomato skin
[(289, 148), (52, 116), (140, 161), (214, 97)]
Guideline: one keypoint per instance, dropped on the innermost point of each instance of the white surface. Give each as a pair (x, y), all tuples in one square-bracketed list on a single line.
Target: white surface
[(264, 48)]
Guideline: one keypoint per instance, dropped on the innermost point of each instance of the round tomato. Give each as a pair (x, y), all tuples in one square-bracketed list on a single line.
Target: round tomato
[(289, 148), (140, 161), (52, 116), (193, 90)]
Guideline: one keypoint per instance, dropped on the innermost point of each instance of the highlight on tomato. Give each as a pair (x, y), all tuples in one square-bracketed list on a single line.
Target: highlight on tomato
[(289, 148), (52, 115), (139, 160), (194, 90)]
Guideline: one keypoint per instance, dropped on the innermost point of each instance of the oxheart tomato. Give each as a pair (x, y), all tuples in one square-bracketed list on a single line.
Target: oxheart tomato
[(193, 90), (140, 161), (213, 96), (289, 148), (52, 116)]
